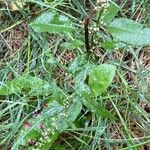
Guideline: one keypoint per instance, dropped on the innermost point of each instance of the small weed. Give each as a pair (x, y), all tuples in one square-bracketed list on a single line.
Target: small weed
[(74, 75)]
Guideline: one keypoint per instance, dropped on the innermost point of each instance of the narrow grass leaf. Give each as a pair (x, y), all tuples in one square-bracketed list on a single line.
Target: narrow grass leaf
[(109, 14)]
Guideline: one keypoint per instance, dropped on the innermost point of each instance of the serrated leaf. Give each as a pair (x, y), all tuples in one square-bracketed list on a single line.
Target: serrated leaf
[(25, 83), (100, 77), (53, 23), (130, 32)]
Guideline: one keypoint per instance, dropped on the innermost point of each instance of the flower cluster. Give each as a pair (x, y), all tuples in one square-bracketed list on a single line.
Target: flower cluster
[(102, 4)]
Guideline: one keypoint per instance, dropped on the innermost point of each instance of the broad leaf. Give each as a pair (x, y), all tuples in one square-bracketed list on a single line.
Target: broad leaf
[(100, 77), (81, 86), (126, 24), (111, 45), (96, 108), (78, 63), (26, 84), (72, 44), (71, 114), (53, 23), (45, 127), (38, 125), (129, 31), (86, 95)]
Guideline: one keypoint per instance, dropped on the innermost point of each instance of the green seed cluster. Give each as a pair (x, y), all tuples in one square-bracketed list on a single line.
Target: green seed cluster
[(45, 138), (49, 132)]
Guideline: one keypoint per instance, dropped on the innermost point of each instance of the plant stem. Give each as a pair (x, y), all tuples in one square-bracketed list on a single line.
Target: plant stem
[(86, 34)]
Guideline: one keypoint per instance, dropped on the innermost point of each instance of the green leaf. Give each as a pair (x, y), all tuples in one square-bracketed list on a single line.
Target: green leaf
[(26, 83), (130, 32), (111, 45), (109, 14), (32, 129), (81, 86), (96, 108), (100, 77), (78, 63), (71, 114), (53, 23), (72, 44), (54, 120), (56, 146), (84, 91), (126, 24)]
